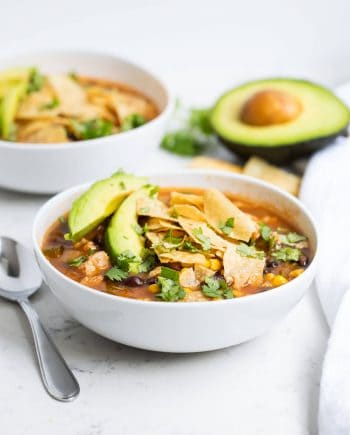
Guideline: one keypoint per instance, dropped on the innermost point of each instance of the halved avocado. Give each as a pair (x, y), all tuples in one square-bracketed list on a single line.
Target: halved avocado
[(121, 235), (100, 201), (279, 119), (9, 106)]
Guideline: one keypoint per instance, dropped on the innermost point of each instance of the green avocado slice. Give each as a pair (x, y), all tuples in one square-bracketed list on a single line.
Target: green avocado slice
[(11, 77), (323, 116), (9, 106), (121, 235), (100, 201)]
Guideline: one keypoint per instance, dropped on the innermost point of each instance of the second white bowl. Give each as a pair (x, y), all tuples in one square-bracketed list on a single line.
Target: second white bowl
[(50, 168)]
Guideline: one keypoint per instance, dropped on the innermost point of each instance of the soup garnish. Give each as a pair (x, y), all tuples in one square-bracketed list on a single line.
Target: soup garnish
[(129, 238), (53, 108)]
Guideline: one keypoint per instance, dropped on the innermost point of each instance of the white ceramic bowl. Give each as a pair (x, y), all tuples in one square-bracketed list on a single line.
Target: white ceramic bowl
[(45, 168), (176, 326)]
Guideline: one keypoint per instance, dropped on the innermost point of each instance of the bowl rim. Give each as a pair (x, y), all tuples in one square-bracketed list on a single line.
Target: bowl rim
[(168, 108), (310, 270)]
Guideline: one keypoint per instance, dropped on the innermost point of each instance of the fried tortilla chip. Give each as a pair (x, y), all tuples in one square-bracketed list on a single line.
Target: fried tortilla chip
[(211, 163), (242, 271), (36, 105), (186, 198), (72, 98), (160, 241), (258, 168), (202, 234), (182, 257), (218, 209), (152, 207), (188, 211), (202, 272), (125, 104), (43, 132), (188, 278), (157, 224)]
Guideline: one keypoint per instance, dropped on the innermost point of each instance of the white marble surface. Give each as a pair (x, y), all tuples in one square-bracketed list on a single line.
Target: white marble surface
[(268, 386)]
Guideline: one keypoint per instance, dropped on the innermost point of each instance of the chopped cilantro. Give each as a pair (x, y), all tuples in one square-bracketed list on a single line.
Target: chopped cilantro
[(182, 142), (124, 259), (148, 261), (170, 290), (265, 232), (204, 240), (171, 239), (153, 191), (132, 121), (36, 81), (200, 120), (122, 185), (91, 251), (73, 75), (92, 129), (287, 254), (227, 227), (295, 237), (116, 274), (78, 261), (216, 288), (50, 105), (250, 251), (189, 246)]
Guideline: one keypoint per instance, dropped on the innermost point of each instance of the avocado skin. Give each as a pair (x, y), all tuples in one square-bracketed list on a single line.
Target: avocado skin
[(282, 154)]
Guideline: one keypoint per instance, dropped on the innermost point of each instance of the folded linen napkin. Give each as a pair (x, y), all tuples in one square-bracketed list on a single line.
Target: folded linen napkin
[(326, 192)]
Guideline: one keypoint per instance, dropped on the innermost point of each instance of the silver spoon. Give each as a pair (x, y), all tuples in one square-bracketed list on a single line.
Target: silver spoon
[(20, 277)]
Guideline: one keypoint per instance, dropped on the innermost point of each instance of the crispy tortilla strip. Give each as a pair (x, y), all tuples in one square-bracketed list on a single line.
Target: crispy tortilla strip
[(125, 104), (153, 207), (188, 278), (202, 272), (72, 98), (158, 242), (242, 271), (186, 198), (211, 163), (42, 132), (33, 105), (195, 296), (192, 228), (157, 224), (188, 211), (218, 208), (258, 168), (182, 257)]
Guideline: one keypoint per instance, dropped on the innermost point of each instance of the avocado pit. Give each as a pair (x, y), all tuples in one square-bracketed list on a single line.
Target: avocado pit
[(270, 107)]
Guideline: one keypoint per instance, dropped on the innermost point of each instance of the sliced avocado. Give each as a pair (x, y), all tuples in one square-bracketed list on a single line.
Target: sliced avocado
[(9, 106), (121, 235), (100, 201), (279, 119), (11, 77)]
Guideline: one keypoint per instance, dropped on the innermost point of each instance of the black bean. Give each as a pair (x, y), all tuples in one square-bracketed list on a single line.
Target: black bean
[(150, 281), (133, 281), (272, 263)]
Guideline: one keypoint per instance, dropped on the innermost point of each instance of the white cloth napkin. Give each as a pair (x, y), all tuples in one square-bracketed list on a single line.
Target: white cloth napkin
[(326, 192)]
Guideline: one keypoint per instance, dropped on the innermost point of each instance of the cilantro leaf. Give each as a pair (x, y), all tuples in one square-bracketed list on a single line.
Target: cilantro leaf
[(182, 142), (295, 237), (170, 290), (92, 129), (265, 232), (227, 227), (116, 274), (171, 239), (148, 261), (200, 120), (124, 259), (204, 240), (50, 105), (189, 246), (153, 191), (78, 261), (287, 254), (250, 251), (216, 288), (132, 121)]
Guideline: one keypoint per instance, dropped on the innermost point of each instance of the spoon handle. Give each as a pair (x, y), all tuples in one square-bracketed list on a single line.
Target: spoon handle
[(58, 379)]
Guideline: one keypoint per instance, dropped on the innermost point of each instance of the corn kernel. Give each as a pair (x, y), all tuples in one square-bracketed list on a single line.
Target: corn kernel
[(215, 264), (295, 273), (237, 293), (270, 277), (207, 263), (154, 288), (187, 289), (279, 280)]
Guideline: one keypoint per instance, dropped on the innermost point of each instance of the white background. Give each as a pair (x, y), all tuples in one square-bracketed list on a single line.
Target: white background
[(269, 386)]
